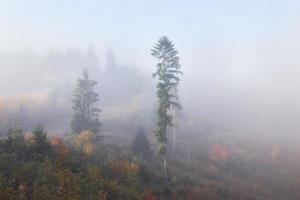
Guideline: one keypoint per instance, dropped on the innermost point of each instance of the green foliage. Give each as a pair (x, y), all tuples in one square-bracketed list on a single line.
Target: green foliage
[(67, 188), (92, 181), (28, 170), (167, 71), (38, 167), (15, 140), (85, 116), (41, 143)]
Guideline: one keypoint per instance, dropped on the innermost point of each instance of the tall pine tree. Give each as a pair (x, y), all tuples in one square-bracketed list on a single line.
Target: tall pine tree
[(167, 72), (141, 145), (85, 116)]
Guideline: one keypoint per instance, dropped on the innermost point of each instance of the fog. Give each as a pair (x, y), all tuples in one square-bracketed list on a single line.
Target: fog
[(43, 92), (248, 88), (237, 136)]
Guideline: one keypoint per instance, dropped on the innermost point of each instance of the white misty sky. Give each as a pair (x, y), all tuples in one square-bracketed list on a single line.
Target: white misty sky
[(130, 27), (239, 57)]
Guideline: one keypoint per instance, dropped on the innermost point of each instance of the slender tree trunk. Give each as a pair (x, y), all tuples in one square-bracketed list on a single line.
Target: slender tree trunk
[(165, 168), (174, 130)]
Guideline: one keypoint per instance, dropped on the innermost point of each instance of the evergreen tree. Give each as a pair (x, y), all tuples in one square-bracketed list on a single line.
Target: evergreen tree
[(41, 142), (140, 144), (15, 141), (85, 116), (167, 71)]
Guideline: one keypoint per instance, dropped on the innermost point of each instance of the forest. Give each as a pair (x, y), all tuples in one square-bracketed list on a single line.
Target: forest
[(151, 162), (149, 100)]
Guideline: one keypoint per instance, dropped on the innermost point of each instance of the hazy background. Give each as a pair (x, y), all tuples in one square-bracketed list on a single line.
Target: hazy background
[(240, 61)]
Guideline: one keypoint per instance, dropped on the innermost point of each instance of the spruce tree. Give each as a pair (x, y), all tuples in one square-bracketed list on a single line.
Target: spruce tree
[(85, 116), (167, 73), (41, 143), (141, 145)]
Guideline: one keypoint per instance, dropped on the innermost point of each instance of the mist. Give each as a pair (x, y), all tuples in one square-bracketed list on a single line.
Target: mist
[(236, 136), (247, 88)]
